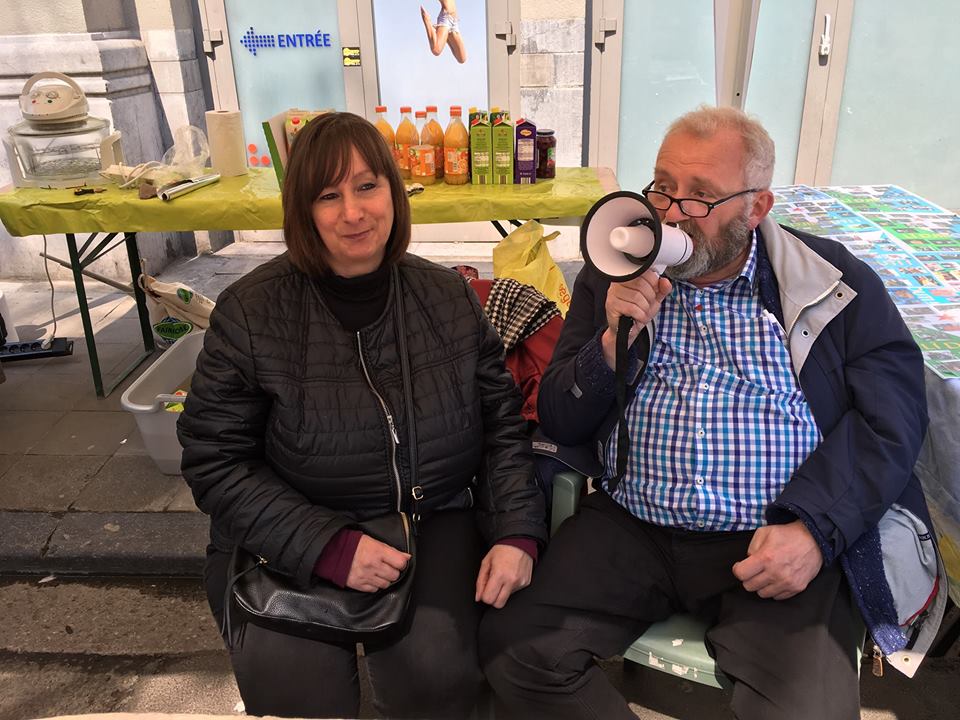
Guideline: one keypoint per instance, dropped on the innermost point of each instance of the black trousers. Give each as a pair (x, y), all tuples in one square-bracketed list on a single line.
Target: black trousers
[(607, 576), (429, 669)]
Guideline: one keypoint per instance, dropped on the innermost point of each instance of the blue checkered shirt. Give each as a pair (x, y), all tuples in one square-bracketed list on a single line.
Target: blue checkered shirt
[(719, 423)]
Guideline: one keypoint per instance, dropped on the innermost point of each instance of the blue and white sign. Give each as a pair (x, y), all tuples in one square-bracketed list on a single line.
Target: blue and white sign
[(254, 41)]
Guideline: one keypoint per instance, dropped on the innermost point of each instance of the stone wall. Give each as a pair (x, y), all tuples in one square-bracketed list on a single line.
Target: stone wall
[(136, 61), (551, 71)]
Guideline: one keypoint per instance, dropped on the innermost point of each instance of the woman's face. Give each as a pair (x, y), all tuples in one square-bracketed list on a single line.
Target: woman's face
[(354, 219)]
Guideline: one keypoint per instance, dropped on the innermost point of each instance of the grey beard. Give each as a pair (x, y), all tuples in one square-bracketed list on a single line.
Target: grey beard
[(710, 255)]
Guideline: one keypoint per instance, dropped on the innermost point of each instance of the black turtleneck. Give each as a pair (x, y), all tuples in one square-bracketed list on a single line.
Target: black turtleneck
[(357, 301)]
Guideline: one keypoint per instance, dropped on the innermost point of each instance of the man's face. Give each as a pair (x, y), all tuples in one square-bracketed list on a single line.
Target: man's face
[(708, 169), (712, 254)]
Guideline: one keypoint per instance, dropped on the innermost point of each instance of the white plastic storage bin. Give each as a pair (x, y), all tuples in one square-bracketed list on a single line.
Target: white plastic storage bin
[(149, 394)]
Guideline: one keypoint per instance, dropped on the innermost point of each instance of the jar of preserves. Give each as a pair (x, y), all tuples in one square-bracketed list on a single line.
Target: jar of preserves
[(546, 154)]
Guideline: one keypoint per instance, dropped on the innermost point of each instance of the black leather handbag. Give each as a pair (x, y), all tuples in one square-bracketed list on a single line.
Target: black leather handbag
[(323, 611)]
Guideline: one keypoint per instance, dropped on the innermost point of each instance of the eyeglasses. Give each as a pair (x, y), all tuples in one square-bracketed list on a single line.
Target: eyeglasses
[(691, 207)]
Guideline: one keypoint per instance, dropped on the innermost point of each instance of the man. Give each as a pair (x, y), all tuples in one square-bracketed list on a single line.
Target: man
[(776, 413)]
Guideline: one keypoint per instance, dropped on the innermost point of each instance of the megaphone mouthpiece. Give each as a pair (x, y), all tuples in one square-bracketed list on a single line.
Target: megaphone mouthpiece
[(637, 240)]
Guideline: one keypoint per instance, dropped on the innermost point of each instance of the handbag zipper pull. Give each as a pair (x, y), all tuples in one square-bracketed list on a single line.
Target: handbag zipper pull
[(877, 662), (417, 492)]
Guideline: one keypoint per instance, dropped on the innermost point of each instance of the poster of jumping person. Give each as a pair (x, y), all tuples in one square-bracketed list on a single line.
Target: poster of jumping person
[(431, 52)]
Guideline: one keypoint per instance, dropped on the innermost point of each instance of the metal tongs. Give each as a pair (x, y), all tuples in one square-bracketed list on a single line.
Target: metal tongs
[(182, 187)]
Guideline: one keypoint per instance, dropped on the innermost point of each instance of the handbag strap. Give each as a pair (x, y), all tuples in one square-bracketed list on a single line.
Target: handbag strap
[(407, 376), (226, 625)]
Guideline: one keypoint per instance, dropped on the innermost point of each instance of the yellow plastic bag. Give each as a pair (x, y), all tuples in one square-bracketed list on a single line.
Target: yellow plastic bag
[(523, 255)]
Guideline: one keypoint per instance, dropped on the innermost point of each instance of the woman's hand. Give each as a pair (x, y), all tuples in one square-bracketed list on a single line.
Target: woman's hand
[(503, 571), (375, 566)]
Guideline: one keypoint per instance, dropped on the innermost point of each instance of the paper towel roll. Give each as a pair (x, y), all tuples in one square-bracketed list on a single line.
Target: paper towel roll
[(228, 154)]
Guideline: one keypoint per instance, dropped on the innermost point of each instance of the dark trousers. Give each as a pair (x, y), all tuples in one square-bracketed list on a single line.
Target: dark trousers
[(607, 576), (429, 669)]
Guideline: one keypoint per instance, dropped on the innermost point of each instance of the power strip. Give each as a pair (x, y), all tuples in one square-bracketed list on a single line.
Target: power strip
[(34, 349)]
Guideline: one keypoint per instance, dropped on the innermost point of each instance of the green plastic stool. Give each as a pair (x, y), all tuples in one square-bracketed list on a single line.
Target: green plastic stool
[(677, 646)]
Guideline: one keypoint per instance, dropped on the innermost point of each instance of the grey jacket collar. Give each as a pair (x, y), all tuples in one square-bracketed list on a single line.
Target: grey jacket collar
[(804, 277)]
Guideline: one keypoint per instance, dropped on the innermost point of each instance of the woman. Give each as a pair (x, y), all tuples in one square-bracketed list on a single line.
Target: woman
[(296, 427), (446, 31)]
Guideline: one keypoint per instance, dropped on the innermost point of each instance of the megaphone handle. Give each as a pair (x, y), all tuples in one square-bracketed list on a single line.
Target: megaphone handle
[(620, 369)]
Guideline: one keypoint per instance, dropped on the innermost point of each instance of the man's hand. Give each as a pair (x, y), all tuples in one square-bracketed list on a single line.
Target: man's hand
[(638, 299), (376, 565), (781, 561), (503, 571)]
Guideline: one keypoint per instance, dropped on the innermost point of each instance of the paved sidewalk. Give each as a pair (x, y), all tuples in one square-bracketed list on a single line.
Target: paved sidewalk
[(78, 492)]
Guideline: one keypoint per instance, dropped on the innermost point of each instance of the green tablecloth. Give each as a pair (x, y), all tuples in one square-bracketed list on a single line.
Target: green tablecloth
[(252, 202)]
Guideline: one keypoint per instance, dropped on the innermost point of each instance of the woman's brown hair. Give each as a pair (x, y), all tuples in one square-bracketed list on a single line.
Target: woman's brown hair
[(320, 157)]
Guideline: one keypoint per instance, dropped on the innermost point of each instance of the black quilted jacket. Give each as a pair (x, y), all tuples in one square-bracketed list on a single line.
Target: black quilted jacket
[(287, 429)]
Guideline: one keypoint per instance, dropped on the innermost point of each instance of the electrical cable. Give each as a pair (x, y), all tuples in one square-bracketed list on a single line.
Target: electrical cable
[(48, 339), (130, 178)]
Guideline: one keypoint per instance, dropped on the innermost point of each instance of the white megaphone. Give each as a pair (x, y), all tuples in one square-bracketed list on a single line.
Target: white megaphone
[(622, 237)]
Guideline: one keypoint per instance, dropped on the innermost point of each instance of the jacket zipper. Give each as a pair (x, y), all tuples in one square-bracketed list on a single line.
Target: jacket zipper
[(394, 437)]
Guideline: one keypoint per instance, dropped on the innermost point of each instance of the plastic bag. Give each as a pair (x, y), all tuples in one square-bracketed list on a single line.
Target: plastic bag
[(175, 310), (523, 255), (185, 159), (189, 153)]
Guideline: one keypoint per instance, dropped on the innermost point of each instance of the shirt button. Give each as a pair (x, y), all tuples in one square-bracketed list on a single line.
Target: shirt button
[(704, 386), (701, 432), (703, 328), (699, 480), (700, 523)]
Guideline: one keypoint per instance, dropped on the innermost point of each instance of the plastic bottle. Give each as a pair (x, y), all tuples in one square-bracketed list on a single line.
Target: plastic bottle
[(432, 134), (407, 137), (456, 150), (421, 116), (383, 125)]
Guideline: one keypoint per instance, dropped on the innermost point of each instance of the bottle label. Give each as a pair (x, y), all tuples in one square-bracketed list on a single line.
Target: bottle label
[(456, 161), (423, 161), (403, 155)]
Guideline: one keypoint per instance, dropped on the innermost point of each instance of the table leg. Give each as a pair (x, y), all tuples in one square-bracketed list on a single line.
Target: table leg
[(77, 268), (502, 231), (133, 256), (77, 264)]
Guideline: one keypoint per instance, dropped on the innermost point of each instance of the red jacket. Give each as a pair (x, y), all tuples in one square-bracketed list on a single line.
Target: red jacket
[(527, 361)]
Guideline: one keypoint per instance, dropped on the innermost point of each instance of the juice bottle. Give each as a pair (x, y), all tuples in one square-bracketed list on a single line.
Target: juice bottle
[(407, 137), (421, 119), (456, 150), (383, 125), (432, 134)]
